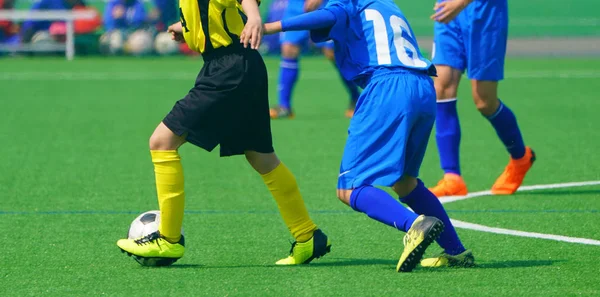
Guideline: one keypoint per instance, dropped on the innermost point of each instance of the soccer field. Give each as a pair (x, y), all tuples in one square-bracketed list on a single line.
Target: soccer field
[(76, 170)]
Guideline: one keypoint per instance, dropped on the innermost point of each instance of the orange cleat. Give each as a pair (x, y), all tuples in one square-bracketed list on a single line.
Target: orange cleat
[(451, 185), (281, 113), (349, 113), (514, 173)]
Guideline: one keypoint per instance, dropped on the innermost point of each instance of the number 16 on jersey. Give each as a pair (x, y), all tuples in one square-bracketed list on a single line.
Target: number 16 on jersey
[(404, 48)]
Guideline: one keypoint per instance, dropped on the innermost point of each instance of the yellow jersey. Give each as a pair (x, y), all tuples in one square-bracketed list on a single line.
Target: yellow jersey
[(211, 24)]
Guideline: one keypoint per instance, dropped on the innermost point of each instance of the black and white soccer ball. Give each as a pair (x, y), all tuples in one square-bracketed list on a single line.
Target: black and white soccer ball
[(143, 225)]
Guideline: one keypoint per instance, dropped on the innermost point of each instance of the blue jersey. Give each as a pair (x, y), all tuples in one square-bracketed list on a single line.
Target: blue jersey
[(134, 17), (371, 34)]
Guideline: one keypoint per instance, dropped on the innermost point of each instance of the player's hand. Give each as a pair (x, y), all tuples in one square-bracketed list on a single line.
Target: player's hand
[(310, 5), (176, 32), (252, 33), (272, 28), (446, 11)]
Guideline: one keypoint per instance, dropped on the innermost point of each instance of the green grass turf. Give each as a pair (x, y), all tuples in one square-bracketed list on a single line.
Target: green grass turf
[(76, 170)]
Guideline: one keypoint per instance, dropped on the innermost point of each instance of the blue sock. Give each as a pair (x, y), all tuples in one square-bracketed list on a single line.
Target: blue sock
[(382, 207), (505, 123), (423, 202), (288, 74), (447, 135)]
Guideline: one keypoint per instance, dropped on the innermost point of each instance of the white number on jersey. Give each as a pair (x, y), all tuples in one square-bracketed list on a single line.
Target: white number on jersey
[(401, 44)]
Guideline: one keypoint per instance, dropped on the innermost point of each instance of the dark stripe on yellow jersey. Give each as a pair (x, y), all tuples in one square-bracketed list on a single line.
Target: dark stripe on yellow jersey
[(233, 37), (203, 8), (243, 15)]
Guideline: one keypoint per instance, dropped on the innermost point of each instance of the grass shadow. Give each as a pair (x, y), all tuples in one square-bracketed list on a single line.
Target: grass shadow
[(184, 266), (518, 264), (337, 262)]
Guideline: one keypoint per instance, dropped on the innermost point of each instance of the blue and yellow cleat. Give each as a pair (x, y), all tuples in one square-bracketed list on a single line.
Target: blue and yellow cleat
[(420, 235), (464, 259), (304, 252), (153, 249)]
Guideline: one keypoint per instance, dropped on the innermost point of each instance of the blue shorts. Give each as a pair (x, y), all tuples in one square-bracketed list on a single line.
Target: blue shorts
[(295, 8), (475, 40), (389, 132)]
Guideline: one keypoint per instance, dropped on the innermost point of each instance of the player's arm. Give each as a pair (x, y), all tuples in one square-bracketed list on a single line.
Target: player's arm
[(318, 19), (446, 11)]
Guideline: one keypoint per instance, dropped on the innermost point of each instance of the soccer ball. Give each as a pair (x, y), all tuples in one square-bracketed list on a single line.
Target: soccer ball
[(42, 40), (144, 224), (139, 43), (111, 42), (164, 45)]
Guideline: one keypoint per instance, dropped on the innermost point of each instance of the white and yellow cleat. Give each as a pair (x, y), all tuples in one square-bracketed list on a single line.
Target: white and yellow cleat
[(304, 252), (421, 234), (153, 249)]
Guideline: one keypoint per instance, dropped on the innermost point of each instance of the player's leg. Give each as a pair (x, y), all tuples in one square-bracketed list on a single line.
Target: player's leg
[(202, 118), (449, 58), (505, 123), (251, 135), (486, 53), (350, 86), (375, 155), (291, 45), (168, 241), (422, 201), (288, 76)]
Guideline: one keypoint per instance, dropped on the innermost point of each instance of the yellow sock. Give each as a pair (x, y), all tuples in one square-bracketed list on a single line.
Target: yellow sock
[(282, 184), (169, 187)]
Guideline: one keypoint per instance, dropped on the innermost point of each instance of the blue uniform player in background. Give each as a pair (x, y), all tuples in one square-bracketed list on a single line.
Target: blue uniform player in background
[(388, 135), (291, 43), (471, 35)]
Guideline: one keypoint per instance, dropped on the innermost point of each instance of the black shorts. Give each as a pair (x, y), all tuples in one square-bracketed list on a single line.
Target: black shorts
[(228, 105)]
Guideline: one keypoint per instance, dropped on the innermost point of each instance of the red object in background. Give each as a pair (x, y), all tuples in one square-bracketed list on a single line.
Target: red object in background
[(185, 49), (58, 29), (6, 26)]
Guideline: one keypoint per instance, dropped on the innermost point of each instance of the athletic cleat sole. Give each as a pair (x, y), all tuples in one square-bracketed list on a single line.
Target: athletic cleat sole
[(151, 261), (416, 255)]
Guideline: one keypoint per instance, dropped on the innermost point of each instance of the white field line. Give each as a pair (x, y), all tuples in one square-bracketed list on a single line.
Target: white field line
[(476, 227), (482, 228), (189, 77), (523, 189)]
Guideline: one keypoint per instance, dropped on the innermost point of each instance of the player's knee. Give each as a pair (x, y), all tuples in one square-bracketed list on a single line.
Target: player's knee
[(405, 185), (163, 139), (485, 97), (261, 162), (344, 196), (290, 51), (445, 88)]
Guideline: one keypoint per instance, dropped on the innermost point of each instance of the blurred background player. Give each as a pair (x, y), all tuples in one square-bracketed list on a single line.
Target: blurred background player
[(388, 135), (124, 22), (9, 31), (472, 35), (163, 14), (38, 32), (291, 46)]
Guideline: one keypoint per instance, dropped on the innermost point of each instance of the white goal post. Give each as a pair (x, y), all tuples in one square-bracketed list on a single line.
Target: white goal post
[(68, 16)]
